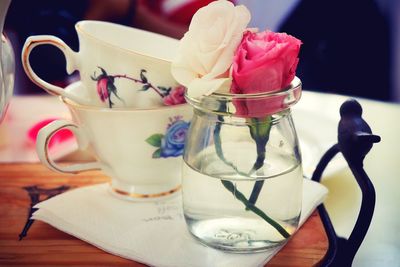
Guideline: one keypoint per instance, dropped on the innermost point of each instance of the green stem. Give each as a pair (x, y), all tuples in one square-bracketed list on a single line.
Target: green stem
[(238, 195), (229, 185), (258, 184), (259, 131), (218, 148), (140, 81)]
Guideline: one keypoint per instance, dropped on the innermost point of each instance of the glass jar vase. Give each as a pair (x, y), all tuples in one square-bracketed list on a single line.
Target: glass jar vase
[(242, 173)]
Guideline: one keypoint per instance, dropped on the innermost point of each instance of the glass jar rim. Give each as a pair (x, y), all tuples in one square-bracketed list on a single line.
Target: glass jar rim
[(249, 105), (295, 84)]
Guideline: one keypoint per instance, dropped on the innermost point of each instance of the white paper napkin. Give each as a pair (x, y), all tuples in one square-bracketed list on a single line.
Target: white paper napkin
[(153, 233)]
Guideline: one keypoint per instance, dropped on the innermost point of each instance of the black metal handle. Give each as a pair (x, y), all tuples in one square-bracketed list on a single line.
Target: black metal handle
[(355, 140)]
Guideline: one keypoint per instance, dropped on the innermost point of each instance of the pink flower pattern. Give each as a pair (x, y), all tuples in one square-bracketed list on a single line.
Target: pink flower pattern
[(175, 97), (102, 89), (105, 87)]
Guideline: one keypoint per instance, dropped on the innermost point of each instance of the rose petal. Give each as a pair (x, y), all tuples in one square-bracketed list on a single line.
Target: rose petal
[(262, 79), (242, 18), (199, 87), (181, 72), (210, 39), (256, 71), (205, 16)]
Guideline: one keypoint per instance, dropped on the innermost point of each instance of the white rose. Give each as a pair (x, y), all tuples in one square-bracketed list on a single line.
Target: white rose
[(206, 51)]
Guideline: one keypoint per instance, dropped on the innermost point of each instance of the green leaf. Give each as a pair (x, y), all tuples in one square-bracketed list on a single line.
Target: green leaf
[(157, 154), (162, 88), (111, 87), (103, 71), (94, 78), (142, 76), (145, 87), (114, 91), (155, 140)]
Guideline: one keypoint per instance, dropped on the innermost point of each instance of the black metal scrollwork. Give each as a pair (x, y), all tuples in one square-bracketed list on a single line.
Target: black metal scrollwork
[(355, 140), (36, 195)]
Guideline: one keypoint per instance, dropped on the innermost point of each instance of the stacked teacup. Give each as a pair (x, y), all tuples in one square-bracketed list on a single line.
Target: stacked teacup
[(127, 109)]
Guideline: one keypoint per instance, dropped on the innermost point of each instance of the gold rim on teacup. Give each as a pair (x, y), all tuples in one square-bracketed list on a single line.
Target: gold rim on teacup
[(145, 196)]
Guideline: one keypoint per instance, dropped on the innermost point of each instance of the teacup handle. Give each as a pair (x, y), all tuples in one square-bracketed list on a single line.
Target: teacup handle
[(70, 56), (44, 137)]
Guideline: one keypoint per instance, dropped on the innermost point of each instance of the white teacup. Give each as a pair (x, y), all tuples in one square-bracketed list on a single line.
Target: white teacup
[(119, 66), (140, 149)]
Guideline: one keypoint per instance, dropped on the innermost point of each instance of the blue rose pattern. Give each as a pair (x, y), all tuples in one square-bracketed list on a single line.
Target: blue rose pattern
[(172, 143), (174, 140)]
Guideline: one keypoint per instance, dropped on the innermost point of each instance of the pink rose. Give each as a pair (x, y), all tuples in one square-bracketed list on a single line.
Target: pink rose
[(175, 96), (263, 62), (102, 90)]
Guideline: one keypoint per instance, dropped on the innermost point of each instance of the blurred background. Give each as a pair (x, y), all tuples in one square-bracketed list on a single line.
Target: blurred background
[(349, 47)]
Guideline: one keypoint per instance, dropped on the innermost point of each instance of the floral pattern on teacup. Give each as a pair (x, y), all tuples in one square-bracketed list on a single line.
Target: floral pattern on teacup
[(171, 143), (106, 87)]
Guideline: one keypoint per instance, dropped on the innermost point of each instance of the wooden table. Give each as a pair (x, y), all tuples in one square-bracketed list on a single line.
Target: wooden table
[(44, 245)]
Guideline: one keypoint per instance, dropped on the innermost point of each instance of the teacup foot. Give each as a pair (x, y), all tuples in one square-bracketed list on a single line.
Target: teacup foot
[(136, 196)]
